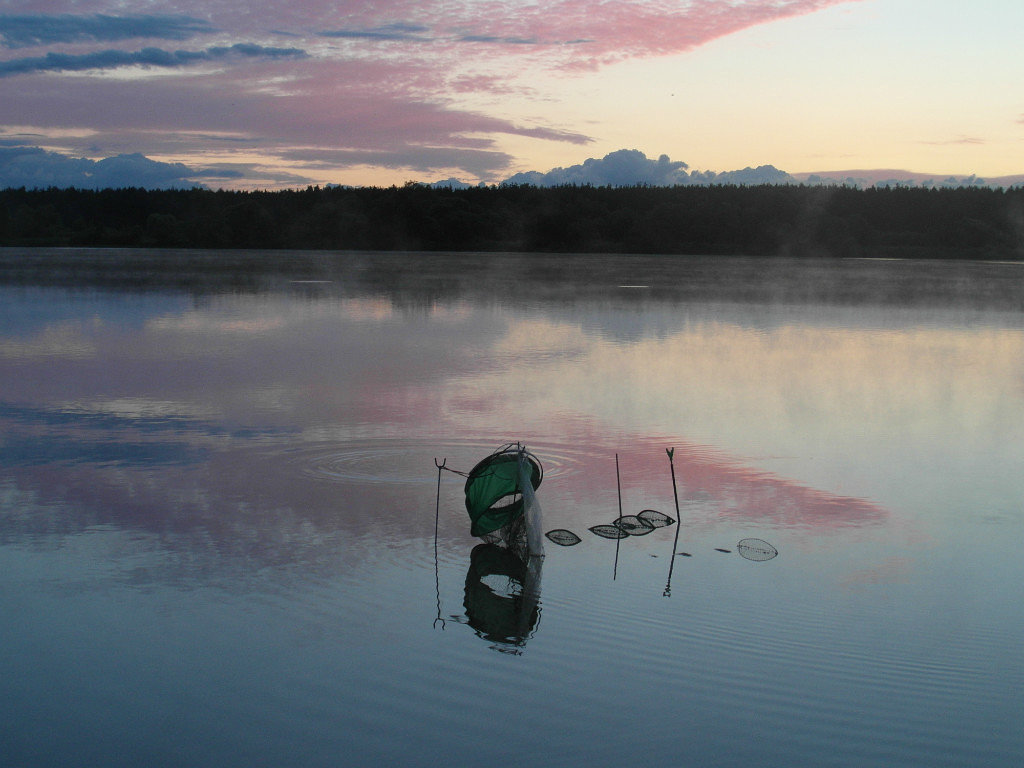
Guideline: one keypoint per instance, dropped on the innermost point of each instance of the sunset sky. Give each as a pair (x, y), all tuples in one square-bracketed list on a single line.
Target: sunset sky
[(278, 94)]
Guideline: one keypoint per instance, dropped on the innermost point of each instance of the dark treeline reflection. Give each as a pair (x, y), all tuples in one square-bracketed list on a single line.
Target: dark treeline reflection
[(415, 282), (762, 220)]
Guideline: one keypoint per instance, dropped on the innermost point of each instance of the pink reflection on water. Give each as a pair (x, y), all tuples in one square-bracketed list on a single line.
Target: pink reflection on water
[(713, 488), (741, 493)]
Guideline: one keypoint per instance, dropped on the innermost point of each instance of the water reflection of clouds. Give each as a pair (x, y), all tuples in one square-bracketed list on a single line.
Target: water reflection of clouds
[(717, 492), (268, 313), (296, 358), (723, 490), (124, 416), (529, 340), (131, 434), (197, 322), (186, 540), (148, 408), (63, 340), (184, 423), (24, 450), (28, 311), (366, 309), (832, 401), (218, 519)]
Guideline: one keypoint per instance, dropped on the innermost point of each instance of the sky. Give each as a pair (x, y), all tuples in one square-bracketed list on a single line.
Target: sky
[(268, 95)]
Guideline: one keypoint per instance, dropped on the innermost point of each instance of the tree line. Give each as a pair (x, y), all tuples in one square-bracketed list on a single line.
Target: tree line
[(785, 220)]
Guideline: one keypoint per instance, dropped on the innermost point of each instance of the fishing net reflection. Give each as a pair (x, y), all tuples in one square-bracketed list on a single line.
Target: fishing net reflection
[(502, 596)]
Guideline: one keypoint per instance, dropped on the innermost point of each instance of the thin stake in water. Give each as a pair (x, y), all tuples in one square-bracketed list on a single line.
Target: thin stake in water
[(437, 517), (618, 483), (679, 522)]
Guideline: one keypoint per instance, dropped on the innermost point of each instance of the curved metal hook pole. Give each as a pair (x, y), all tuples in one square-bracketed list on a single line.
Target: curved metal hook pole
[(444, 465)]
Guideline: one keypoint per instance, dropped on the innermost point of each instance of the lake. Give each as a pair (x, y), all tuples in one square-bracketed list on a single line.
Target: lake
[(225, 541)]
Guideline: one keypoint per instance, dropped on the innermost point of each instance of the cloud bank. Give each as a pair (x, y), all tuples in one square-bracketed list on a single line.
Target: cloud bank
[(399, 31), (318, 89), (35, 168), (22, 31), (631, 167), (147, 57)]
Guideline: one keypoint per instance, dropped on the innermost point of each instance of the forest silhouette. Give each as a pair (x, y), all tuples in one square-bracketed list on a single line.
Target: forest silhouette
[(770, 220)]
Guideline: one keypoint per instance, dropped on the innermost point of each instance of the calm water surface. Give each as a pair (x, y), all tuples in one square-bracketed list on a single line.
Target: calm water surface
[(218, 498)]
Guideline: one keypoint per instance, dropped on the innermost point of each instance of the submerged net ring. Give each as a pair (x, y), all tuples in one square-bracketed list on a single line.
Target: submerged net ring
[(633, 525), (655, 519), (563, 537), (608, 531), (756, 549)]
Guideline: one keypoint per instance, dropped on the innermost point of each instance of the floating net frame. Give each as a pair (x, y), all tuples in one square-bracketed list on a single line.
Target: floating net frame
[(757, 550), (563, 537)]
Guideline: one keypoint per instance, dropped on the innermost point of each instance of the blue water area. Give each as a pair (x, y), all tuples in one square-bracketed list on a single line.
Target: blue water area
[(225, 541)]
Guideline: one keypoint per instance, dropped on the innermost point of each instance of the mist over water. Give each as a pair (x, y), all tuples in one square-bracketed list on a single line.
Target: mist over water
[(218, 498)]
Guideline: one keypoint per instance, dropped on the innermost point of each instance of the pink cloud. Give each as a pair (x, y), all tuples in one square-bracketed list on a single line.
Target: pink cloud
[(581, 32), (386, 84), (326, 108), (565, 32)]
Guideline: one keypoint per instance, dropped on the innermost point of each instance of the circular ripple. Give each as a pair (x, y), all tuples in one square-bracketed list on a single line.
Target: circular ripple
[(390, 463), (412, 462)]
